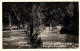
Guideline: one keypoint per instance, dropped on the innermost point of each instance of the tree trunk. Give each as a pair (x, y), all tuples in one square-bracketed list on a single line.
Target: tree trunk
[(10, 27), (31, 30)]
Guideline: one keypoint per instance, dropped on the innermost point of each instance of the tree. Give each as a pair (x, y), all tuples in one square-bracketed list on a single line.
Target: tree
[(36, 23), (69, 25), (7, 14)]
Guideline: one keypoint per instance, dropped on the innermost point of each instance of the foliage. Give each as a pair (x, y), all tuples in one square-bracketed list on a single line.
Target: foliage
[(37, 14)]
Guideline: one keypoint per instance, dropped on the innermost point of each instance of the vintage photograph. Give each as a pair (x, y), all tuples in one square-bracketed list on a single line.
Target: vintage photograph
[(40, 25)]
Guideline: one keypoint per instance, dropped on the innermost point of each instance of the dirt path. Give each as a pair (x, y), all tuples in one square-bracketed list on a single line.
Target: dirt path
[(15, 39), (19, 39), (50, 37)]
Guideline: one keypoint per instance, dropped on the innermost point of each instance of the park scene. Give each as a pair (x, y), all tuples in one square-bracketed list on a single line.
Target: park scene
[(40, 25)]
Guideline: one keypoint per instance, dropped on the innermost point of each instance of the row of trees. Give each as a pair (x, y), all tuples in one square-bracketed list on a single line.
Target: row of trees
[(25, 13), (37, 14), (65, 14)]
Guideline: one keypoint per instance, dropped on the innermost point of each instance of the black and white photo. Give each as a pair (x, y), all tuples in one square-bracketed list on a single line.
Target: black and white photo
[(40, 25)]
